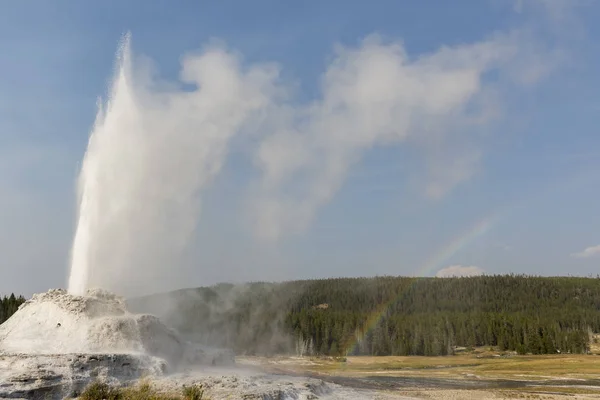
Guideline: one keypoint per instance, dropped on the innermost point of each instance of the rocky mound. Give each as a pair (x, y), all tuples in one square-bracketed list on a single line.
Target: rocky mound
[(60, 376), (57, 322), (58, 342)]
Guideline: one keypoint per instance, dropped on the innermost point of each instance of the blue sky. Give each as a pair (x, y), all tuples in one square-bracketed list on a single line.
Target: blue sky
[(533, 164)]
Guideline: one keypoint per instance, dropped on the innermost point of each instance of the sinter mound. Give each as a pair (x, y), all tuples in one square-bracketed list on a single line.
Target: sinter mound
[(57, 322)]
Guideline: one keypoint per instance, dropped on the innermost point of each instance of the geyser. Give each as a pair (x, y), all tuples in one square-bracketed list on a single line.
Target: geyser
[(152, 149), (155, 145)]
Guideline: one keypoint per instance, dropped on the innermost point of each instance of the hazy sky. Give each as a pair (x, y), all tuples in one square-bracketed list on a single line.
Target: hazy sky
[(405, 138)]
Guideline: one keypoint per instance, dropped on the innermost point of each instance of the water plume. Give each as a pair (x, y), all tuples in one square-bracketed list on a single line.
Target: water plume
[(152, 150), (155, 147)]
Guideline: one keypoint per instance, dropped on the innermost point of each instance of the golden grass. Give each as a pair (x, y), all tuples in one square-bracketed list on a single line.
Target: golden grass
[(462, 366), (142, 391), (559, 390)]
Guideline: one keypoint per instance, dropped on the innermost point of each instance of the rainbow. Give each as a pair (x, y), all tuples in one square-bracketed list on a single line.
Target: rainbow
[(434, 263)]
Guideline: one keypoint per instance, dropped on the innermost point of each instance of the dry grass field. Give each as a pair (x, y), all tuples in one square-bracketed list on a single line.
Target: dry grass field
[(467, 366), (482, 374)]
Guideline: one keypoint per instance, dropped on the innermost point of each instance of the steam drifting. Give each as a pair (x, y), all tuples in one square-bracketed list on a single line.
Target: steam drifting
[(150, 154), (459, 270), (155, 148), (377, 95)]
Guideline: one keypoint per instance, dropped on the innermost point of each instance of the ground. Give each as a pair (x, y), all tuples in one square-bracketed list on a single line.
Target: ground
[(479, 375)]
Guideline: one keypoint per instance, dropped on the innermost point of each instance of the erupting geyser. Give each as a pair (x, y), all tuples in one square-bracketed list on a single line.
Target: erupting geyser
[(109, 180), (148, 156), (152, 149)]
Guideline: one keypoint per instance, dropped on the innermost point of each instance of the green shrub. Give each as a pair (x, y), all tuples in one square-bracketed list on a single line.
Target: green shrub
[(101, 391), (193, 392), (144, 391)]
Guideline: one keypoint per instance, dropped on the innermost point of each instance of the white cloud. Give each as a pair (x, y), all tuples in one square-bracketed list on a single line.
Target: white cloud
[(375, 94), (591, 251), (459, 270)]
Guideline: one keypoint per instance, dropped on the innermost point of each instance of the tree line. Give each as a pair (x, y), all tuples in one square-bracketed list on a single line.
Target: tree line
[(388, 315), (9, 305)]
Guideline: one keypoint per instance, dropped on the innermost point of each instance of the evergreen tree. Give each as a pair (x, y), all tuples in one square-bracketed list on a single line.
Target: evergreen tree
[(414, 316)]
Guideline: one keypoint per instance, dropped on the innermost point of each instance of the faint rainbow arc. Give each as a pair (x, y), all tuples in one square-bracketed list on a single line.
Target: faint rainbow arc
[(459, 242)]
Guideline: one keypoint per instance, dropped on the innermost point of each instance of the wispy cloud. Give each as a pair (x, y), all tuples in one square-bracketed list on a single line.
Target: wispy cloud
[(376, 94), (459, 270), (592, 251)]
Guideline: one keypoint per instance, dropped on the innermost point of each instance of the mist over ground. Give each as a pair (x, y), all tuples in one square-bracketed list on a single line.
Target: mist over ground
[(386, 315)]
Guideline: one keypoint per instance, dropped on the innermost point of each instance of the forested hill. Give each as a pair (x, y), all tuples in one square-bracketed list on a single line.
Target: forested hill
[(387, 315), (9, 305)]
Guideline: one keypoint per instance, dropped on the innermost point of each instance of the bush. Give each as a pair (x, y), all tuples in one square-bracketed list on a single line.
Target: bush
[(101, 391), (144, 391), (193, 392)]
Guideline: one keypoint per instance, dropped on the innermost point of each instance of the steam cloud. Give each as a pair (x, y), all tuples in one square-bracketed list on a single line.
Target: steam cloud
[(588, 252), (459, 270), (149, 155), (376, 94), (154, 148)]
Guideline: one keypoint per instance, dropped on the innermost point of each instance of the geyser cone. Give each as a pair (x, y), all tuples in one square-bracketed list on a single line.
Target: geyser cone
[(58, 322)]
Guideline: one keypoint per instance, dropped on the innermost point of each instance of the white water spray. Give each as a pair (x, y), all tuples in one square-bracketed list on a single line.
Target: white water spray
[(149, 154), (152, 149)]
